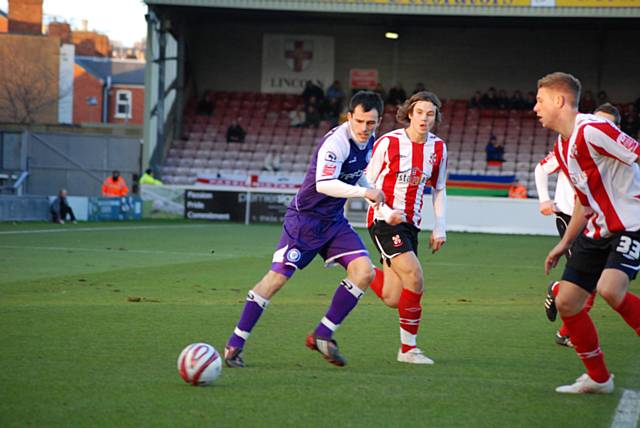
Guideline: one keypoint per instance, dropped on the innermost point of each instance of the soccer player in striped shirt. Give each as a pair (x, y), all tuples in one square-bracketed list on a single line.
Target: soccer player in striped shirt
[(562, 207), (315, 225), (404, 162), (604, 232)]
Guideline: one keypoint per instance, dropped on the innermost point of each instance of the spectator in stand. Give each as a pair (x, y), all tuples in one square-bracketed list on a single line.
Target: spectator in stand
[(205, 105), (313, 116), (379, 89), (490, 99), (148, 178), (235, 132), (517, 190), (517, 101), (272, 162), (495, 151), (503, 100), (476, 100), (60, 208), (397, 94), (114, 186), (530, 101), (602, 98), (335, 92), (332, 112), (419, 88), (297, 118), (587, 103), (310, 91)]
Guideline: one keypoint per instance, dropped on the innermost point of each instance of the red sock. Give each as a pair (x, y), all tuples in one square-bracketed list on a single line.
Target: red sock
[(584, 337), (587, 307), (589, 303), (630, 311), (378, 282), (410, 312)]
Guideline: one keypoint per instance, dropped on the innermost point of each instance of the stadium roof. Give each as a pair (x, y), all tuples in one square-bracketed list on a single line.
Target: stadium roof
[(527, 8), (123, 72)]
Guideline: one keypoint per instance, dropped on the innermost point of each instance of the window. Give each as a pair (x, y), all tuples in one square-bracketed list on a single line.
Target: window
[(123, 104)]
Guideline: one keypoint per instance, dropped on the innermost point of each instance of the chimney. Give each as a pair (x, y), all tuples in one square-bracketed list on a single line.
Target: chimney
[(60, 29), (85, 25), (25, 16)]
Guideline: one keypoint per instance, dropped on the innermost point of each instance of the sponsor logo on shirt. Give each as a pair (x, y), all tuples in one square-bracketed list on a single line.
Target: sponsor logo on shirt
[(328, 170), (627, 142), (414, 176), (330, 157), (356, 174)]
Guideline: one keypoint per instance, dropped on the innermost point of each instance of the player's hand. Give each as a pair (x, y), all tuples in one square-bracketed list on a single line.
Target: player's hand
[(436, 243), (547, 208), (554, 255), (395, 217), (375, 196)]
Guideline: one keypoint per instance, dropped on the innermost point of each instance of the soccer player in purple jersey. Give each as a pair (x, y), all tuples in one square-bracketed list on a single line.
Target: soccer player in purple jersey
[(315, 224)]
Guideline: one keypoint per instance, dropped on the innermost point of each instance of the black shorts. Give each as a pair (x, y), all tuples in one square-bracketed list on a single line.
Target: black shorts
[(394, 240), (562, 222), (589, 257)]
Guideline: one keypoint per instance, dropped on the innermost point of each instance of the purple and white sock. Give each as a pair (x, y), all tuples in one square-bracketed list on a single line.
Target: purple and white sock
[(344, 300), (253, 308)]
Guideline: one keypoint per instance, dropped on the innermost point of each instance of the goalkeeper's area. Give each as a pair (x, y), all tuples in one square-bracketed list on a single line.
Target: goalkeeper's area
[(93, 317)]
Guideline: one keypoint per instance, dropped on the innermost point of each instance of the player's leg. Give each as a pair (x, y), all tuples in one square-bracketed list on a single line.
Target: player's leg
[(347, 249), (622, 266), (286, 259), (579, 280)]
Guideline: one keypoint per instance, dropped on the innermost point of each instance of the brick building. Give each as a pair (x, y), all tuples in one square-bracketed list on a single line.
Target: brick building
[(4, 22), (108, 90)]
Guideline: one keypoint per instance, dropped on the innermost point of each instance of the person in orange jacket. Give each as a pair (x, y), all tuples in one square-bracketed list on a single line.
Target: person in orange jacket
[(114, 186), (517, 190)]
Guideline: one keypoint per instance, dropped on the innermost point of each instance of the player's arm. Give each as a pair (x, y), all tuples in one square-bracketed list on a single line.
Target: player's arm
[(579, 219), (439, 199), (612, 142), (331, 156), (547, 166)]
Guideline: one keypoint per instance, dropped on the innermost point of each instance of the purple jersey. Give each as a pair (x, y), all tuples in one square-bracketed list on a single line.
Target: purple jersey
[(337, 156)]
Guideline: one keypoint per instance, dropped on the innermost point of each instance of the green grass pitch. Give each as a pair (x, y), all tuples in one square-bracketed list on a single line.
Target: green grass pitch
[(74, 352)]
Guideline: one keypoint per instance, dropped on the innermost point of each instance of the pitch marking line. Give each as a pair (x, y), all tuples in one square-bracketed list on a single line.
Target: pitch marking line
[(102, 250), (97, 229), (628, 410)]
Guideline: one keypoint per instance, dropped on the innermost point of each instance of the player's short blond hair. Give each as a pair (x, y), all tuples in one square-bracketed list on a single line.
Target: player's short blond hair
[(402, 115), (563, 82)]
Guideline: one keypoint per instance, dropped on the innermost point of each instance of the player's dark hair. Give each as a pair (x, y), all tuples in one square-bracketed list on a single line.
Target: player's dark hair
[(609, 109), (564, 82), (402, 115), (368, 100)]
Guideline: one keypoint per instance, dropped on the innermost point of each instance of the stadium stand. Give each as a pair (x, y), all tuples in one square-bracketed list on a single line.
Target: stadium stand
[(203, 149)]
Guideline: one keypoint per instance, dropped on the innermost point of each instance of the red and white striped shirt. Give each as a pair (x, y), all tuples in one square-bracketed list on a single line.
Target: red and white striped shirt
[(402, 168), (599, 160)]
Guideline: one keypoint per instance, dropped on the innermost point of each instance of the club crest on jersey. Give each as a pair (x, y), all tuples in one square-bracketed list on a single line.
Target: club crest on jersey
[(433, 158), (293, 255), (330, 157), (397, 241), (627, 142), (574, 151)]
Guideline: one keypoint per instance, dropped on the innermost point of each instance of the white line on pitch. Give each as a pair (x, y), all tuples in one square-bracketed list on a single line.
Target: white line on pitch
[(628, 410), (109, 250), (97, 229)]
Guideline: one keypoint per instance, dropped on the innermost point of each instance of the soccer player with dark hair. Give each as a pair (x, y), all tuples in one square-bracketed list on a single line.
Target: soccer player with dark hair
[(404, 162), (315, 224), (562, 207), (604, 231)]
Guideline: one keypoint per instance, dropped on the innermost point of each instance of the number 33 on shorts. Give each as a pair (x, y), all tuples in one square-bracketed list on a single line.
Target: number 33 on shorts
[(629, 248)]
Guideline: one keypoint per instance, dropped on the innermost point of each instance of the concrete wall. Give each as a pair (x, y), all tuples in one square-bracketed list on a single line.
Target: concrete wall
[(451, 58)]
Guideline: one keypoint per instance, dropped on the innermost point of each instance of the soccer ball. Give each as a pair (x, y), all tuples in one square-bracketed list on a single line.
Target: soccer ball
[(199, 364)]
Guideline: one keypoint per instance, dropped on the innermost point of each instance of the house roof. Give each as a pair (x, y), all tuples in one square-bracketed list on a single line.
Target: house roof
[(121, 71)]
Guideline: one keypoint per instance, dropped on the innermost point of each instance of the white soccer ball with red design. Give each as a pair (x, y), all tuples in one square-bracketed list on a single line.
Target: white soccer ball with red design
[(199, 364)]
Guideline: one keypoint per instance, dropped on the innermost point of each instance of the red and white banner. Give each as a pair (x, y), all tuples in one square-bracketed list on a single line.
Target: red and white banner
[(289, 60), (363, 78)]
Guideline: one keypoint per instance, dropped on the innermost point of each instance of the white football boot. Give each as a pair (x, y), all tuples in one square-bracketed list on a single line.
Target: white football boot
[(414, 356), (585, 385)]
